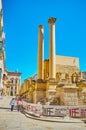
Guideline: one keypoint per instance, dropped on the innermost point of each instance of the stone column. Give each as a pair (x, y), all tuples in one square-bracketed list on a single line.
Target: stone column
[(40, 52), (52, 58)]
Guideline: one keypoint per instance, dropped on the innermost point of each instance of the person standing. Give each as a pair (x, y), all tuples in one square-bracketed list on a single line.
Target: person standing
[(12, 103), (19, 104)]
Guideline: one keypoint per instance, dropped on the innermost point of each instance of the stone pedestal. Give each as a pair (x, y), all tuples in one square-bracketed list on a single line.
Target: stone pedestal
[(39, 93), (51, 89)]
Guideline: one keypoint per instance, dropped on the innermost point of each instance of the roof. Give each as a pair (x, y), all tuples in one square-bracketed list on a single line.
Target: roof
[(14, 73)]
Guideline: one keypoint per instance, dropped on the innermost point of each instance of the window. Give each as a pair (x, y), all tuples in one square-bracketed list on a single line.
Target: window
[(11, 88), (16, 80)]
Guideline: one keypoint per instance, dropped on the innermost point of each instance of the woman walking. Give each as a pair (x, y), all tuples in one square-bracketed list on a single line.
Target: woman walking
[(12, 103)]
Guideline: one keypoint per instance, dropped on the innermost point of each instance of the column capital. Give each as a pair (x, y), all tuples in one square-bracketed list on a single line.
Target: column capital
[(51, 20), (41, 26)]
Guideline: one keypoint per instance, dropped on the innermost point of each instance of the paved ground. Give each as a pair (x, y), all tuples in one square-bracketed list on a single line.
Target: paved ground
[(17, 121)]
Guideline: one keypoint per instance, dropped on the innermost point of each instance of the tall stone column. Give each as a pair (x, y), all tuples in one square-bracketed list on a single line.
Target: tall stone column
[(40, 52), (52, 58)]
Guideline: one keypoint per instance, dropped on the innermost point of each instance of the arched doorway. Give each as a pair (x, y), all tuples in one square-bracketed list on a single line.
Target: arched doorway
[(11, 91)]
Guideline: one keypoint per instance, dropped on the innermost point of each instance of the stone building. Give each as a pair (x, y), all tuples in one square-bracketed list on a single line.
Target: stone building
[(58, 77), (12, 84)]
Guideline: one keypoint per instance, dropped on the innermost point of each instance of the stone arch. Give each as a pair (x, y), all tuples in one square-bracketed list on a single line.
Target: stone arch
[(16, 80), (74, 78), (58, 76), (66, 76), (11, 90), (12, 80)]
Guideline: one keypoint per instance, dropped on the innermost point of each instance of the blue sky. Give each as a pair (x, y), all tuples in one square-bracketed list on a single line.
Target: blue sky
[(21, 21)]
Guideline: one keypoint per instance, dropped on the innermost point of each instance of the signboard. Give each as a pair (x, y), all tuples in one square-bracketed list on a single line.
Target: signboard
[(49, 110)]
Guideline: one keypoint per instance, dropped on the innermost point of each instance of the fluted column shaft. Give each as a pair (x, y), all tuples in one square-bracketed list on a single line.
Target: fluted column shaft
[(40, 52), (52, 58)]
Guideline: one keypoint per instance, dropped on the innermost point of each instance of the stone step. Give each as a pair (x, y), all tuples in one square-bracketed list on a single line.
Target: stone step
[(5, 101)]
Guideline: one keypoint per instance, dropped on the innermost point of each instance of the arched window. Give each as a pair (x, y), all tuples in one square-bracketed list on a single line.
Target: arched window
[(11, 87), (12, 80), (66, 76), (16, 80), (58, 75), (74, 78)]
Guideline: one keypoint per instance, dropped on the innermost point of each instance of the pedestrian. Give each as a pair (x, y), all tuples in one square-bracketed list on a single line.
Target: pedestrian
[(19, 104), (12, 103)]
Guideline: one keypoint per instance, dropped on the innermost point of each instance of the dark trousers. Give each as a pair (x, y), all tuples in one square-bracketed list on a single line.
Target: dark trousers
[(18, 107), (12, 107)]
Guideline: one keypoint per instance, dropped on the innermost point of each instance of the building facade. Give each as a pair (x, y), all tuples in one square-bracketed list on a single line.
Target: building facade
[(11, 84)]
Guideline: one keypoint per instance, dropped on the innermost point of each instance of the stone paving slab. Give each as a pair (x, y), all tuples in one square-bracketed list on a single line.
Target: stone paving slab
[(1, 128)]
